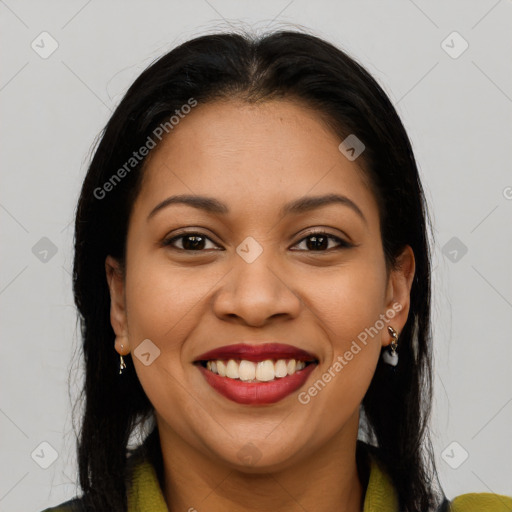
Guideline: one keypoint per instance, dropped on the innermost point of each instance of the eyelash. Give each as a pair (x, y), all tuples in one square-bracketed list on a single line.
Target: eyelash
[(342, 244)]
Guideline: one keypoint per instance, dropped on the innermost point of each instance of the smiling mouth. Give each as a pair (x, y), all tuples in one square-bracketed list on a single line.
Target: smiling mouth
[(256, 383), (243, 370)]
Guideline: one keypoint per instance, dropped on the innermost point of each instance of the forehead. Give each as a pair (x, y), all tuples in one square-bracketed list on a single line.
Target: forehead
[(270, 152)]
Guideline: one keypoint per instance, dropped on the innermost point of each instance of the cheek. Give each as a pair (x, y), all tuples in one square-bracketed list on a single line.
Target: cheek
[(349, 299), (162, 305), (349, 307), (164, 302)]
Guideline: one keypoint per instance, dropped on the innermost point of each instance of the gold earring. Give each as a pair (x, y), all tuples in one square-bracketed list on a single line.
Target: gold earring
[(391, 357)]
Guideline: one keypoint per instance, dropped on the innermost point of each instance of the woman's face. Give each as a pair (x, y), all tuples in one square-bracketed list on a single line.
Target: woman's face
[(256, 275)]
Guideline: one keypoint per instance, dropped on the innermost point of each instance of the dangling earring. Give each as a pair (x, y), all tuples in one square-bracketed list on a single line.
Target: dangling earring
[(391, 357), (122, 365)]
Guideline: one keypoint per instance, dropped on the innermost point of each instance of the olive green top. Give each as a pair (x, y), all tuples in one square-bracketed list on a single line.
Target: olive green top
[(145, 494)]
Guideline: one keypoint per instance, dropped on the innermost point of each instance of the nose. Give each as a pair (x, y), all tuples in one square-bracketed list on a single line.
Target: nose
[(257, 293)]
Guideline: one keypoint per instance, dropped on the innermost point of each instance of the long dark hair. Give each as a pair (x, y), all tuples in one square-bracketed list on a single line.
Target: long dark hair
[(288, 65)]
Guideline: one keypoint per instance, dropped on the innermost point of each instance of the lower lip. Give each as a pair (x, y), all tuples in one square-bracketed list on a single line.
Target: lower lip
[(256, 393)]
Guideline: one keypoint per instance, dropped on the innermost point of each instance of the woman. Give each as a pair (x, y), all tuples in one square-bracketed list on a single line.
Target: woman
[(252, 272)]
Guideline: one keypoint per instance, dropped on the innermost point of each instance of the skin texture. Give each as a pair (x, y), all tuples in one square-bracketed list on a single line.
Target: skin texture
[(255, 158)]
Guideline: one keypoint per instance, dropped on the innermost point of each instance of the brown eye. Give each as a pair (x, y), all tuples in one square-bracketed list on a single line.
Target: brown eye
[(319, 242), (189, 242)]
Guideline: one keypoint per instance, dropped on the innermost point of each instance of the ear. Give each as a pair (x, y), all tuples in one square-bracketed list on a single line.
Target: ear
[(398, 294), (115, 280)]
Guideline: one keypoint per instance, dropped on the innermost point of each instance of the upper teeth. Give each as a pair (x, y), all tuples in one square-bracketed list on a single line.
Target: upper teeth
[(249, 371)]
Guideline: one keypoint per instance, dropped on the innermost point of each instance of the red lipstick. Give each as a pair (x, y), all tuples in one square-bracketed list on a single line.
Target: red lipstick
[(257, 393), (257, 353)]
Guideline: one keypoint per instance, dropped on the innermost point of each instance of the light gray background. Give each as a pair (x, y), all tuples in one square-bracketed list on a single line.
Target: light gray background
[(457, 112)]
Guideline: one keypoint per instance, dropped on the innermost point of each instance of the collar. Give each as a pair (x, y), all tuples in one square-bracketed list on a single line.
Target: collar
[(145, 493)]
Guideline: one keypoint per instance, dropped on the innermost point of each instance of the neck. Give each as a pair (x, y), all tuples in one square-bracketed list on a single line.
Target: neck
[(324, 481)]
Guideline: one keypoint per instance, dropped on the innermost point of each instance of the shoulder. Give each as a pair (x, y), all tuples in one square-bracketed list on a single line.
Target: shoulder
[(73, 505), (477, 502), (136, 466), (380, 491)]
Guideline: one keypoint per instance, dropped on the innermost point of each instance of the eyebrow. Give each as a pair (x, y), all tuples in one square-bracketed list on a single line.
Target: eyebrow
[(301, 205)]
